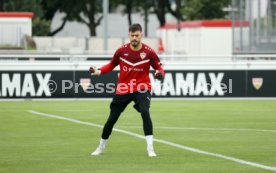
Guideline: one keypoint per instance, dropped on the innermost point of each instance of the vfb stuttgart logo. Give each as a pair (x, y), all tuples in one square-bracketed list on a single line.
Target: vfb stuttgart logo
[(257, 82)]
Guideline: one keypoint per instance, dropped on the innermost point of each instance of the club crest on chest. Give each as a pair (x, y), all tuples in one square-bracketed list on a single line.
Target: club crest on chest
[(143, 55)]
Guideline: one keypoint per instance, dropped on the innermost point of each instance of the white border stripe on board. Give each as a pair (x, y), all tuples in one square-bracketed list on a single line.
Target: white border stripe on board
[(240, 161)]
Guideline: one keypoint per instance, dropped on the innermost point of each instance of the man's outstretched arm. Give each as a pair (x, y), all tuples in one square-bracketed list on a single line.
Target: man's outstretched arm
[(108, 67), (94, 71)]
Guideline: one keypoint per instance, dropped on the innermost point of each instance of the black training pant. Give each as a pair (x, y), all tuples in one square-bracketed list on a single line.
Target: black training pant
[(118, 105)]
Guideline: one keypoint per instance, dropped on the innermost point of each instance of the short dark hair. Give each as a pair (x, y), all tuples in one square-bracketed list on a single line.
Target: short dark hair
[(135, 27)]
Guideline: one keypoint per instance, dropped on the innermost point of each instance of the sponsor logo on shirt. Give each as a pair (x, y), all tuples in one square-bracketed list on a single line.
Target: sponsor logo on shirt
[(125, 68)]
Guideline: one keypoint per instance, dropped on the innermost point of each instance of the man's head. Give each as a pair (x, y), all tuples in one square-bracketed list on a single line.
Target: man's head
[(135, 34)]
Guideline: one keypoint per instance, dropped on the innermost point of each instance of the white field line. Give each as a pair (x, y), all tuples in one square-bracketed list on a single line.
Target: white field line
[(202, 128), (240, 161)]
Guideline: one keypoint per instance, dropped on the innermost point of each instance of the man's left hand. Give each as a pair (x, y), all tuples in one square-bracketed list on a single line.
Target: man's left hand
[(158, 75)]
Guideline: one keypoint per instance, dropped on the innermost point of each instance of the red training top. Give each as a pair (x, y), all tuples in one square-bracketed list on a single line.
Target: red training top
[(134, 68)]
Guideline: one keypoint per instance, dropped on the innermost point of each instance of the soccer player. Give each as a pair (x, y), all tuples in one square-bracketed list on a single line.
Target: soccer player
[(134, 59)]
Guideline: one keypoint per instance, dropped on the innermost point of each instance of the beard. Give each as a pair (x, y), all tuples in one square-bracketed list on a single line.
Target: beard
[(135, 43)]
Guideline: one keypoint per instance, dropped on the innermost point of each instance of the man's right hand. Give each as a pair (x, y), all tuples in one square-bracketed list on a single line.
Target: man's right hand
[(94, 71)]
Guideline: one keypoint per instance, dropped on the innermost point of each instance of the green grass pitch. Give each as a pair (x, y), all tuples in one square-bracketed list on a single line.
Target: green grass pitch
[(30, 143)]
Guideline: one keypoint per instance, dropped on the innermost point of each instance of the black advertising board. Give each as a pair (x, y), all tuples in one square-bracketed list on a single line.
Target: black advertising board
[(34, 84), (261, 83), (176, 84)]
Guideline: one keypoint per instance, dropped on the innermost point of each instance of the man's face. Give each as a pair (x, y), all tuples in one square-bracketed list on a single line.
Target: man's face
[(135, 38)]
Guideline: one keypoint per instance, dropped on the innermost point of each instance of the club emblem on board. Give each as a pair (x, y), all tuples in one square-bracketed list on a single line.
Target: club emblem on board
[(257, 83), (85, 83), (143, 55)]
